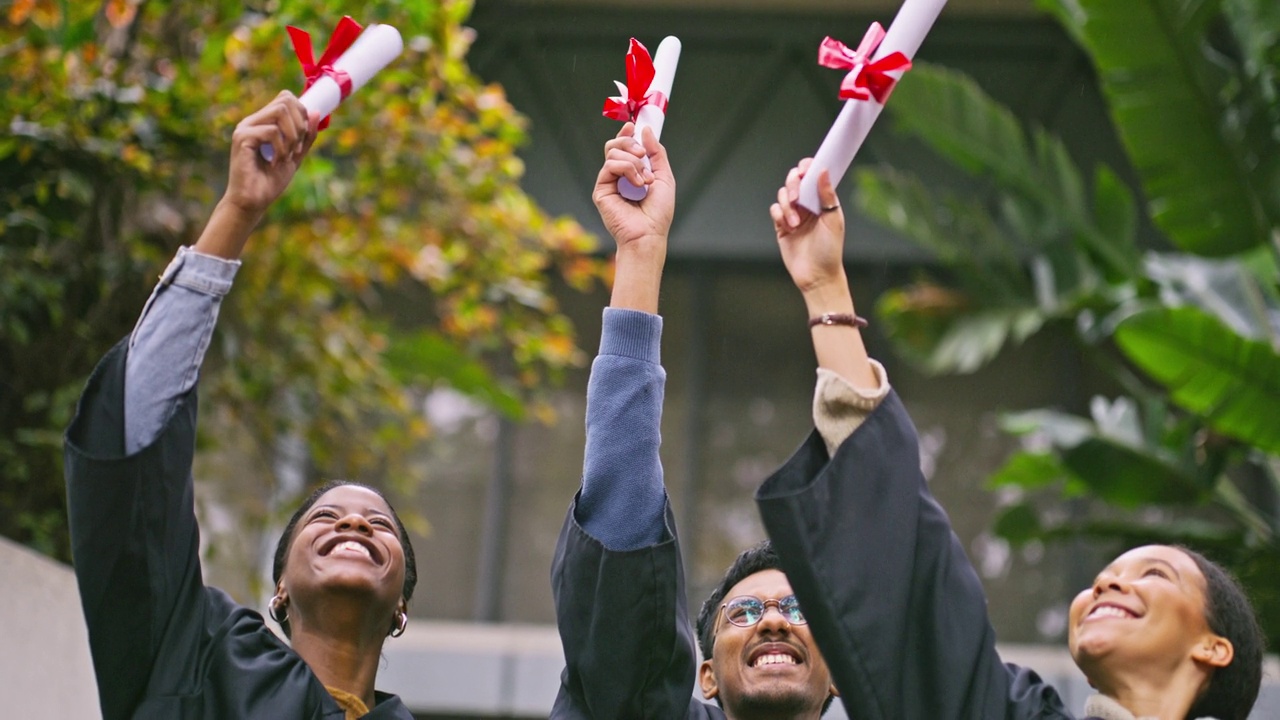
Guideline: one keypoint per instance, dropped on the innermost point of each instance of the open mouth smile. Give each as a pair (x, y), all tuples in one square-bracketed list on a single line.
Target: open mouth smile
[(352, 547), (1103, 611), (774, 655)]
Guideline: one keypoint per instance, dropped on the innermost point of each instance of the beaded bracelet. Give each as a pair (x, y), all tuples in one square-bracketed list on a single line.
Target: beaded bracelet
[(838, 319)]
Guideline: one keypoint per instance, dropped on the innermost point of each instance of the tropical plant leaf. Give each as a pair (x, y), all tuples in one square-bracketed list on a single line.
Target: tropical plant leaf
[(1128, 476), (1232, 381), (1165, 96), (1239, 293), (1019, 524), (953, 116)]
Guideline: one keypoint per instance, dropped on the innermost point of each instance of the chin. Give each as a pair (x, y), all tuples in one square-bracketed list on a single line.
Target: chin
[(780, 700)]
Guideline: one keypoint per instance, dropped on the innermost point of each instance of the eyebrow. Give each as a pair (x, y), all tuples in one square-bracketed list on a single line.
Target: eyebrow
[(1167, 564), (1147, 562), (339, 508)]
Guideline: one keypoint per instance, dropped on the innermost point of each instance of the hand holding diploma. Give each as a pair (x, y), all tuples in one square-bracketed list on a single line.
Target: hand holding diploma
[(348, 62), (866, 87), (644, 98)]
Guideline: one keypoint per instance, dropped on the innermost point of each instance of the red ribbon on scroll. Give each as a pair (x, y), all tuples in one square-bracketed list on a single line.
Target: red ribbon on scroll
[(866, 79), (343, 36), (635, 94)]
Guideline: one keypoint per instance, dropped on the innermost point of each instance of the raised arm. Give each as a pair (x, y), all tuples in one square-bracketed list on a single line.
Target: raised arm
[(129, 449), (617, 578), (893, 602)]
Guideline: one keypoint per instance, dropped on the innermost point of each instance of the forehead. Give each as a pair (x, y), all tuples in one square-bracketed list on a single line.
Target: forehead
[(353, 498), (764, 584), (1161, 554)]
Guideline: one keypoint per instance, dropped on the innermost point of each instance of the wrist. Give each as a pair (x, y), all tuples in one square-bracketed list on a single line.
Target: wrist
[(832, 296), (646, 248), (238, 211), (228, 230)]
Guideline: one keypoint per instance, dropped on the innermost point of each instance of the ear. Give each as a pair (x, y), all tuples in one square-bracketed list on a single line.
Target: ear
[(1214, 651), (402, 606), (281, 592), (834, 692), (707, 679)]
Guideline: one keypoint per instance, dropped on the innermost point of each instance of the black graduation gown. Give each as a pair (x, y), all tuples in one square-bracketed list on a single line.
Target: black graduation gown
[(624, 625), (892, 600), (164, 645)]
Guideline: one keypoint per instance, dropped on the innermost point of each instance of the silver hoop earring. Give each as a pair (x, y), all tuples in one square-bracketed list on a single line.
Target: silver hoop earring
[(402, 622), (278, 610)]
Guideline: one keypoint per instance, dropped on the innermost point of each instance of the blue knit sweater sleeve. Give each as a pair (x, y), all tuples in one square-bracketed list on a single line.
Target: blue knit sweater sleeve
[(623, 499)]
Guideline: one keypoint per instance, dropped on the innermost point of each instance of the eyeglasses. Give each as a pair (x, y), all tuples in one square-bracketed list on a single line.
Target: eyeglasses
[(746, 610)]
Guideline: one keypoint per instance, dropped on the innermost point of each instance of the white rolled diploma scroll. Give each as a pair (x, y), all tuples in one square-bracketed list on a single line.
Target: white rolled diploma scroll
[(850, 129), (652, 116), (376, 47)]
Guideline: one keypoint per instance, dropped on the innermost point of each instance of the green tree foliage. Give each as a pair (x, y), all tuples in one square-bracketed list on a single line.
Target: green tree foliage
[(113, 144), (1187, 332)]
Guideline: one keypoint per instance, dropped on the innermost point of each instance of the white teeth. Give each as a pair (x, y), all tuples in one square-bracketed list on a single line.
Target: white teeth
[(774, 659), (352, 546), (1109, 611)]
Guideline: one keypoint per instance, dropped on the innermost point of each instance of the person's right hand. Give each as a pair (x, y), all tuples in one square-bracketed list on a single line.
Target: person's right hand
[(253, 183), (635, 222), (812, 245)]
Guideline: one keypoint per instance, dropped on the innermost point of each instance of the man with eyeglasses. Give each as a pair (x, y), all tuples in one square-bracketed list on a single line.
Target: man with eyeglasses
[(617, 576)]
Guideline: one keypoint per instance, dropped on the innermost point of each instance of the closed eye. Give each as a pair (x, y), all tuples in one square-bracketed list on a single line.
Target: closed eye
[(1157, 572), (382, 522)]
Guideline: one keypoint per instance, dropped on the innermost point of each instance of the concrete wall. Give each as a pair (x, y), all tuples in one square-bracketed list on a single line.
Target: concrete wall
[(44, 649)]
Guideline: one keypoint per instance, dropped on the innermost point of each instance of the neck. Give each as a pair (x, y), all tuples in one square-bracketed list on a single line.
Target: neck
[(1167, 699), (343, 648)]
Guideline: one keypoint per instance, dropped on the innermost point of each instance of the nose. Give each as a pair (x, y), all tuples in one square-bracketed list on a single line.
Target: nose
[(1109, 581), (354, 522), (774, 620)]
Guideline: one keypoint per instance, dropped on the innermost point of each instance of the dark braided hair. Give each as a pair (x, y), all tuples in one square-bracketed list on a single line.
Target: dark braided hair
[(1233, 689)]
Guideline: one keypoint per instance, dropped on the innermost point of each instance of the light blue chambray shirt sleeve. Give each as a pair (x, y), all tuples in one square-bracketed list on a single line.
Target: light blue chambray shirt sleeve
[(169, 342)]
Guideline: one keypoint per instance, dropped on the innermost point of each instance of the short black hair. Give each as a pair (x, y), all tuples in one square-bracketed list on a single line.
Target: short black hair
[(1233, 689), (754, 559), (286, 540)]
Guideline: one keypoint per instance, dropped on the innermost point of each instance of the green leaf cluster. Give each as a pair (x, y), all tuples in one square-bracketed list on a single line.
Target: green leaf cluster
[(113, 142), (1188, 330)]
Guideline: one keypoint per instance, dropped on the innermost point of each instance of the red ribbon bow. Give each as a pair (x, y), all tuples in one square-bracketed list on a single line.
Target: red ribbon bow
[(866, 79), (343, 36), (636, 93)]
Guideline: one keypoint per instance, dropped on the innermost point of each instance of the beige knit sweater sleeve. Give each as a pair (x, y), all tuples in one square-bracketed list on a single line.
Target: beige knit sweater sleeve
[(839, 407)]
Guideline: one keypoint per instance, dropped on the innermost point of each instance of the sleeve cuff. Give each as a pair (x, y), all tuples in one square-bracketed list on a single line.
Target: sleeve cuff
[(200, 272), (633, 334), (839, 407)]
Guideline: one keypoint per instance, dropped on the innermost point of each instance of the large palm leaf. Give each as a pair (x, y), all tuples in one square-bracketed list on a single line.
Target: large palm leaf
[(1188, 117)]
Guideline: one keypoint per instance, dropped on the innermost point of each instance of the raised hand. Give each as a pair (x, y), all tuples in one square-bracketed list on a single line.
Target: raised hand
[(813, 250), (639, 228), (649, 219), (253, 183), (812, 245)]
